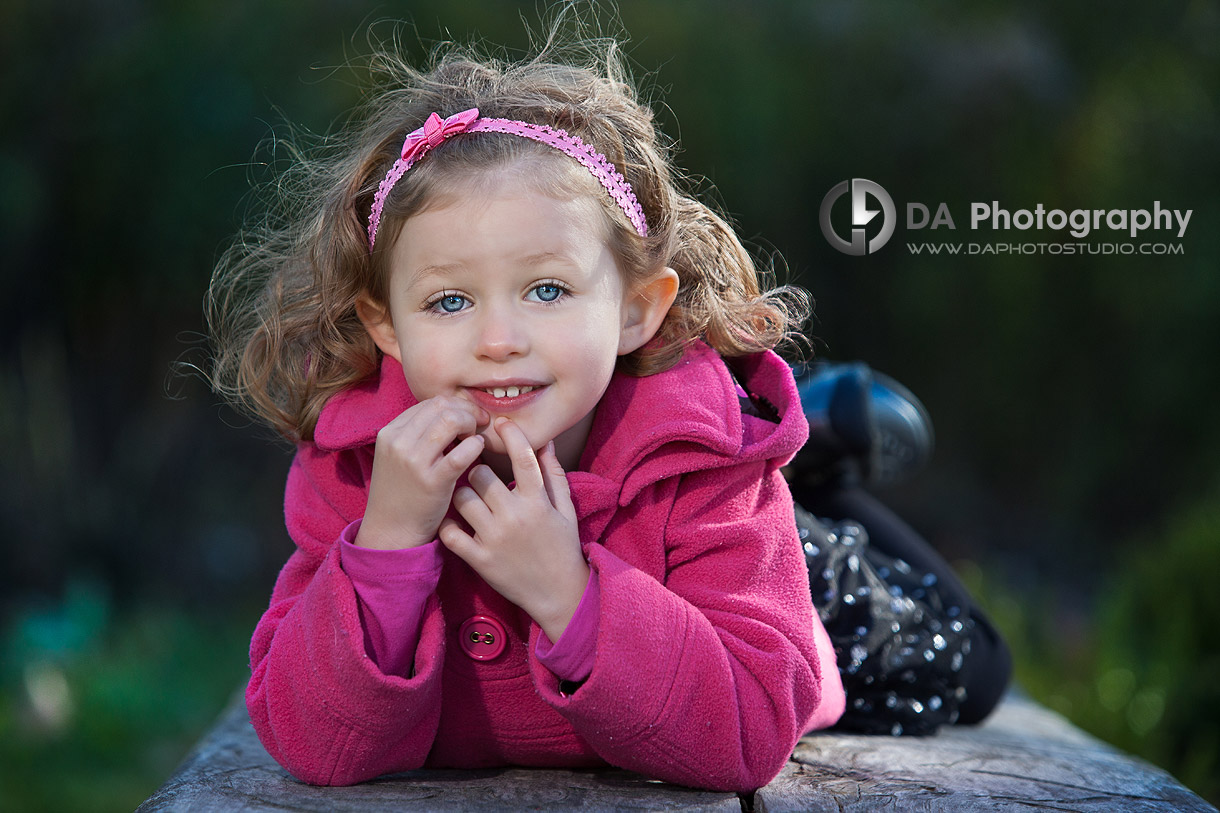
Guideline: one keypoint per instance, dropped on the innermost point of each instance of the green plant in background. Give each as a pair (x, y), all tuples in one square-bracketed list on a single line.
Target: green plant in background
[(98, 706), (1159, 648), (1139, 669)]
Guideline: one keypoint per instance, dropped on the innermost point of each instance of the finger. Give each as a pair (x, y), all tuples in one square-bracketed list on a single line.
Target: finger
[(463, 454), (480, 415), (487, 485), (432, 426), (424, 411), (556, 481), (461, 543), (472, 508), (450, 420), (526, 470)]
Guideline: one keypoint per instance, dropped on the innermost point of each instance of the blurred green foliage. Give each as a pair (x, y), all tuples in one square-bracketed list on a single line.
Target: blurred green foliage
[(98, 706), (1073, 396), (1138, 667)]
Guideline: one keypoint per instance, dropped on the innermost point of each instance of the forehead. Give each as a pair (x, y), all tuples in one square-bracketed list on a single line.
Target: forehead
[(548, 173), (496, 218)]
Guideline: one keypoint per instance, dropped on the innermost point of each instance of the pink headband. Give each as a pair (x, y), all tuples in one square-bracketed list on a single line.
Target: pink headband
[(436, 130)]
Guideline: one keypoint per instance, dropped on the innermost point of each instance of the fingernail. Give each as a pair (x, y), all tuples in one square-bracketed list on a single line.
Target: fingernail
[(500, 421)]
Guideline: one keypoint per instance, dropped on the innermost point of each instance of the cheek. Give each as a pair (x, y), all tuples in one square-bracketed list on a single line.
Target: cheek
[(591, 345), (593, 351), (424, 364), (601, 325)]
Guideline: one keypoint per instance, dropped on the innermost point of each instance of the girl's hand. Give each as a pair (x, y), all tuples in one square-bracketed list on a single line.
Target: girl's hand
[(415, 470), (526, 544)]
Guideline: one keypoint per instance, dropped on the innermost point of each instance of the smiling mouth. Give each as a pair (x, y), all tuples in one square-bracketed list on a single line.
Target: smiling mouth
[(506, 392)]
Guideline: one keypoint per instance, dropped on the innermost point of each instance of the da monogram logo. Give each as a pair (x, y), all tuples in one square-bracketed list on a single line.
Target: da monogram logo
[(861, 216)]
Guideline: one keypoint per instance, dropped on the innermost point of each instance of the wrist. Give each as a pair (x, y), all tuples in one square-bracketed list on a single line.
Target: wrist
[(556, 614), (370, 536)]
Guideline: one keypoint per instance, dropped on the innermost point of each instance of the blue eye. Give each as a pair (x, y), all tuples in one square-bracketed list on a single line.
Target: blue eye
[(450, 303), (548, 292)]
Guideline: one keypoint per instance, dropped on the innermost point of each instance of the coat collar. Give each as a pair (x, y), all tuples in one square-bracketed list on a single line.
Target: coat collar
[(354, 416), (688, 418), (684, 419)]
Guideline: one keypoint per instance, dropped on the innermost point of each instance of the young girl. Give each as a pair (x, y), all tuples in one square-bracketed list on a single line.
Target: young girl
[(537, 498)]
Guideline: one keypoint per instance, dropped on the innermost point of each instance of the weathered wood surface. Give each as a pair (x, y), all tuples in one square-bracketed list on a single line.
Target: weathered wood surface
[(230, 770), (1023, 758)]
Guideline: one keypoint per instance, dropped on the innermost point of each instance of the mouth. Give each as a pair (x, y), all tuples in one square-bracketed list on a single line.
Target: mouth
[(507, 392), (505, 397)]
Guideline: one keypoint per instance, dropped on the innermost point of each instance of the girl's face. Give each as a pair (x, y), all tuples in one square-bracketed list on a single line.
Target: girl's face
[(511, 299)]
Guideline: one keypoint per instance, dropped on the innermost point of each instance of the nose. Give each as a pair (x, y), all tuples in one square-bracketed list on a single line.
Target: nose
[(501, 334)]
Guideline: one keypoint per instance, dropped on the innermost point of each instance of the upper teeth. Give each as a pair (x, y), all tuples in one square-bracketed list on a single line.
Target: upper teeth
[(510, 392)]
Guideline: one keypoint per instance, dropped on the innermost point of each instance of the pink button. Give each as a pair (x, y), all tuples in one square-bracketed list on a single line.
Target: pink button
[(482, 638)]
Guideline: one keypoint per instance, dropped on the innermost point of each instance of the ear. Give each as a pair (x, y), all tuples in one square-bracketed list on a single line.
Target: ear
[(644, 308), (376, 320)]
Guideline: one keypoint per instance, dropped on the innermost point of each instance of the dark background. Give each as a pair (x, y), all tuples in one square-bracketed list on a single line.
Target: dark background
[(1075, 482)]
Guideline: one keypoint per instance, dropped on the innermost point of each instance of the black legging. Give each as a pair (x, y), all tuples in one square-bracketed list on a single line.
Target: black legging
[(986, 673)]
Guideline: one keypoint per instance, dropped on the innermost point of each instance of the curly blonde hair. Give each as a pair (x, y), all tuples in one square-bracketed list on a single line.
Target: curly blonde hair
[(281, 307)]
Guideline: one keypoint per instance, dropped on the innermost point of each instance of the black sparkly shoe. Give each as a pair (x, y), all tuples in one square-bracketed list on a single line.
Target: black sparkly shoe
[(862, 425)]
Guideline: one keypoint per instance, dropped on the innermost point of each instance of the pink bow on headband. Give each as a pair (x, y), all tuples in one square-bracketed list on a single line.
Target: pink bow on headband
[(434, 131)]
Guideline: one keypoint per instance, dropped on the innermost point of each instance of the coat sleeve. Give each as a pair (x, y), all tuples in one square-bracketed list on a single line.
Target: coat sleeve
[(709, 678), (320, 706)]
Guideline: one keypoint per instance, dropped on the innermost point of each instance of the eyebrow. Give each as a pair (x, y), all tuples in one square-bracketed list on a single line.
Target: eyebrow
[(549, 256), (537, 258), (431, 270)]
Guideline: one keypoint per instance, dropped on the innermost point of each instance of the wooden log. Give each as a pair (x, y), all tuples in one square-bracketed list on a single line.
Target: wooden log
[(230, 770), (1024, 757)]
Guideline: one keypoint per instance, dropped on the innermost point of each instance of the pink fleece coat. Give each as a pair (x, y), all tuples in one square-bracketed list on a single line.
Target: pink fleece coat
[(710, 662)]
